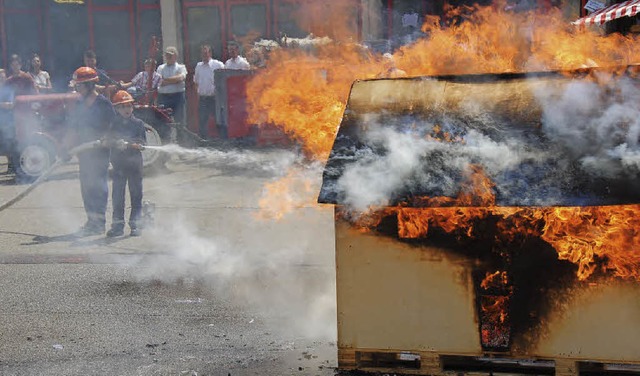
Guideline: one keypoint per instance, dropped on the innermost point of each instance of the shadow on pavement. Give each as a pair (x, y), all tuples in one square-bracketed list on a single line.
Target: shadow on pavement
[(76, 241)]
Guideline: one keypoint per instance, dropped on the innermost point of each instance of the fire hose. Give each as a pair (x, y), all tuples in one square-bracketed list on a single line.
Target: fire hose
[(120, 144)]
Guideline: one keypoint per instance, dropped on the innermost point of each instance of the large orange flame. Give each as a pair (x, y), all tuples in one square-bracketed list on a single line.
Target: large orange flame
[(587, 236), (305, 91)]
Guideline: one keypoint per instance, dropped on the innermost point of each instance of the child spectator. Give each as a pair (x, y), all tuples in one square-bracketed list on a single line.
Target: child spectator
[(126, 159)]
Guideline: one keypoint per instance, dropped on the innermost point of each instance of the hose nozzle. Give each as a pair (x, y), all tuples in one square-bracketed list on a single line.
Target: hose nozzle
[(124, 145)]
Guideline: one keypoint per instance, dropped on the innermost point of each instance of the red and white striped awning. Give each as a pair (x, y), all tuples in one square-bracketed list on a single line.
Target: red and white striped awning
[(626, 9)]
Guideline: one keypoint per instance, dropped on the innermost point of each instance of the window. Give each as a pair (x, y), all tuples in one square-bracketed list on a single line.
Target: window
[(285, 21), (21, 4), (68, 38), (23, 35), (407, 17), (203, 27), (109, 3), (22, 24), (112, 36), (248, 20), (148, 28)]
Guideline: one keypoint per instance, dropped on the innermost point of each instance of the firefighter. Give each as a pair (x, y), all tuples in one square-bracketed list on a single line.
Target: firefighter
[(126, 159), (90, 122)]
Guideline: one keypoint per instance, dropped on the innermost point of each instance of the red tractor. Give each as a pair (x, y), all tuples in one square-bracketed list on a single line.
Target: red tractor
[(41, 124)]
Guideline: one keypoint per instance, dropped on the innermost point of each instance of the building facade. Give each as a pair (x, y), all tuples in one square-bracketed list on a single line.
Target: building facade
[(124, 32)]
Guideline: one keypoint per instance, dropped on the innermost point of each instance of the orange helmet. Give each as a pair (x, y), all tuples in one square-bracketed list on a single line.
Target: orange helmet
[(85, 74), (121, 97)]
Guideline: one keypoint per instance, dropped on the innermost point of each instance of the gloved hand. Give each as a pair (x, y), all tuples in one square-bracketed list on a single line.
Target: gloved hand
[(121, 145), (136, 146)]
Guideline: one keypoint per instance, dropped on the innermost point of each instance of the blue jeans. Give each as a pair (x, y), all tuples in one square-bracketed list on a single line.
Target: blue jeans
[(206, 108), (176, 102), (127, 172)]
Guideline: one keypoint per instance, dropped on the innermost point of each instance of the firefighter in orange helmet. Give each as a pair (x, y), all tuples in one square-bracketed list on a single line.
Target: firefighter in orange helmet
[(126, 159), (90, 122)]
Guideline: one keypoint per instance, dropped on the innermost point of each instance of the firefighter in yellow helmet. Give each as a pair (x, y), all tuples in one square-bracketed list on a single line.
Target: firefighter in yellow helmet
[(126, 159)]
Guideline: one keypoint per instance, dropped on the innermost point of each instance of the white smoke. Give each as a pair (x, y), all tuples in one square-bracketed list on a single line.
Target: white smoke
[(282, 269), (374, 177), (595, 124), (598, 123)]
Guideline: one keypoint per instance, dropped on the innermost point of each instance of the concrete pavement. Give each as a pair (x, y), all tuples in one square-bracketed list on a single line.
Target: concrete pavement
[(213, 288)]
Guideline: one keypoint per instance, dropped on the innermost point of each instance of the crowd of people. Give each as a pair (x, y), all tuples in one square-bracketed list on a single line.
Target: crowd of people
[(104, 112), (164, 85)]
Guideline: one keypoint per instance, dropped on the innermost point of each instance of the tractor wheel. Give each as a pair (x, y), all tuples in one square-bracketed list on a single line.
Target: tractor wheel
[(33, 159), (153, 159)]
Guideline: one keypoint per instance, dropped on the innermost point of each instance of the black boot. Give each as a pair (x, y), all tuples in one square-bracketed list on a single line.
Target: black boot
[(115, 230), (89, 229)]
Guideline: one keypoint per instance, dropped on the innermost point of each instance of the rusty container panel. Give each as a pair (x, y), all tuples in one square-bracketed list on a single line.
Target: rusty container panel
[(404, 298), (394, 296), (594, 322)]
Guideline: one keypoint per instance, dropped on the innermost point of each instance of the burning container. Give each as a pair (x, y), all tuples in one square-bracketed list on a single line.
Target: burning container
[(488, 223)]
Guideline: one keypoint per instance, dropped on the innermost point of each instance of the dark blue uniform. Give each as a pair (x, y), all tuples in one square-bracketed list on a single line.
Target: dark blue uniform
[(127, 168), (92, 123)]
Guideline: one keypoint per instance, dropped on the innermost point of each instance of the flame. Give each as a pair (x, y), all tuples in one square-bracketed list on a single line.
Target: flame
[(590, 237), (495, 328), (304, 91), (326, 18), (581, 235), (495, 295), (497, 279), (305, 95), (295, 190)]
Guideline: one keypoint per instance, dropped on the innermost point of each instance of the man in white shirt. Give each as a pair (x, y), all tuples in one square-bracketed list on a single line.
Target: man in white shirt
[(171, 90), (235, 60), (205, 86)]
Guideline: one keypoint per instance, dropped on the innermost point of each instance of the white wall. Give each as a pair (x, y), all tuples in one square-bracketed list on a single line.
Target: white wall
[(171, 25)]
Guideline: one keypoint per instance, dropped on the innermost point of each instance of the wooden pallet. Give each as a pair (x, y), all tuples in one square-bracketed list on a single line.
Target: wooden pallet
[(435, 364)]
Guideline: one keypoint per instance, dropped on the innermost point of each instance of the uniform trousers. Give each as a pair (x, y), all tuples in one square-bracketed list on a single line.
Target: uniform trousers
[(94, 184), (127, 172)]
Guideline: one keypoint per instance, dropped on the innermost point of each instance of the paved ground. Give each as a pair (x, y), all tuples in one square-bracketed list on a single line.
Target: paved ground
[(215, 287)]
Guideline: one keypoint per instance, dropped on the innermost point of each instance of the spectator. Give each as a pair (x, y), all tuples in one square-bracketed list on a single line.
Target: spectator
[(146, 81), (7, 129), (19, 81), (91, 61), (104, 81), (40, 77), (235, 60), (171, 90), (205, 86), (6, 95)]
